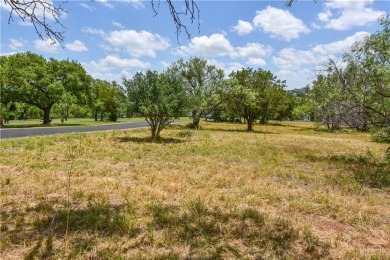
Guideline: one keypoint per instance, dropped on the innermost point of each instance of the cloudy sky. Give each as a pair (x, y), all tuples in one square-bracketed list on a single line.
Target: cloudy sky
[(115, 38)]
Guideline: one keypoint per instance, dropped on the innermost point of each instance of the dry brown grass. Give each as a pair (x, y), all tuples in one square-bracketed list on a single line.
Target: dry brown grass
[(284, 191)]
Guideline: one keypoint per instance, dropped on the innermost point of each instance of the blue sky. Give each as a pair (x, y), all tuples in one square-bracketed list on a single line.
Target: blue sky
[(112, 39)]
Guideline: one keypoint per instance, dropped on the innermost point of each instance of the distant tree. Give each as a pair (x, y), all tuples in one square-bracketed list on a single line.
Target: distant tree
[(65, 104), (199, 78), (106, 97), (255, 94), (29, 78), (158, 96)]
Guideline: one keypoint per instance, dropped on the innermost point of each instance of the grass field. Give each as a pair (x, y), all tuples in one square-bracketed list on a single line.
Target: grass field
[(71, 122), (285, 191)]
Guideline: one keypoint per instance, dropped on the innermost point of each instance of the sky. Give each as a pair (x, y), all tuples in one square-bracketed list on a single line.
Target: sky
[(112, 39)]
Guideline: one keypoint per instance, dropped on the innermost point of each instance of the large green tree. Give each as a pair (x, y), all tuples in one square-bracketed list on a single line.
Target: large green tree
[(200, 79), (256, 94), (31, 79), (158, 96)]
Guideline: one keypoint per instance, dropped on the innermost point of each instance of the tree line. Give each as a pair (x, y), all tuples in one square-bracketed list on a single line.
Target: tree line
[(192, 87), (353, 92)]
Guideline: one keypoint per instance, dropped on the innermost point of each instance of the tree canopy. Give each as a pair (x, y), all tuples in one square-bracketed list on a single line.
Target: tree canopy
[(160, 97), (199, 78), (31, 79), (256, 94)]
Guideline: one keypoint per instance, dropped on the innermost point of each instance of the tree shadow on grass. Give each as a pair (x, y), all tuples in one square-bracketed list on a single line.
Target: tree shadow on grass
[(240, 131), (49, 221), (213, 233), (208, 232), (367, 169), (160, 140)]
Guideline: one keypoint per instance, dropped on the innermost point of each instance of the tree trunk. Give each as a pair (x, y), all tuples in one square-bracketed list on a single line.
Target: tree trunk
[(249, 125), (96, 115), (46, 115), (195, 119), (101, 116), (155, 132)]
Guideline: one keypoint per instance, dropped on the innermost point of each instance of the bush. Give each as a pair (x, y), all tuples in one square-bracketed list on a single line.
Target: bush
[(381, 135), (113, 117)]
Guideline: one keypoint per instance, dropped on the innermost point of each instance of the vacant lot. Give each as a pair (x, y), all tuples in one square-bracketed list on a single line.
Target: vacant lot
[(284, 191)]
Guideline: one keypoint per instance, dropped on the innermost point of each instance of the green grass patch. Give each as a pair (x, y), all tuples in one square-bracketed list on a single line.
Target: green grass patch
[(70, 122)]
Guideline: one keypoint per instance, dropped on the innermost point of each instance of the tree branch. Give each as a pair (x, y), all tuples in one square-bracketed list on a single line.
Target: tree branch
[(38, 12)]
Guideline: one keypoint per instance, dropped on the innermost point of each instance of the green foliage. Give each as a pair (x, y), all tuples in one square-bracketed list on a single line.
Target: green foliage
[(380, 134), (107, 97), (256, 94), (357, 94), (29, 78), (159, 97), (200, 79)]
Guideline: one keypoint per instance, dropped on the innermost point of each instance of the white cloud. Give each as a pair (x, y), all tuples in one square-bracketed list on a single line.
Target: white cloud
[(215, 45), (112, 67), (88, 7), (91, 30), (106, 3), (137, 44), (291, 61), (344, 15), (279, 23), (76, 46), (243, 27), (16, 44), (137, 4), (324, 16), (112, 62), (256, 62), (254, 50), (118, 24), (46, 46), (297, 78), (227, 67)]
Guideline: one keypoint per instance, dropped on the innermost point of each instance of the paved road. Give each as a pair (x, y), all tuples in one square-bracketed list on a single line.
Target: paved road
[(23, 132)]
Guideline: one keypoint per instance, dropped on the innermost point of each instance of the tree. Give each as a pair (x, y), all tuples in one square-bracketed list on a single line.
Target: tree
[(30, 79), (254, 94), (65, 103), (357, 93), (112, 95), (158, 96), (106, 98), (199, 79)]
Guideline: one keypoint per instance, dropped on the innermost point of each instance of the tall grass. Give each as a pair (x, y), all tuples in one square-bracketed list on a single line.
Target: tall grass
[(284, 191)]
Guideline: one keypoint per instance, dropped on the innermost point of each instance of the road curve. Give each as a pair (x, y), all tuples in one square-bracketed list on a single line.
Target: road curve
[(23, 132)]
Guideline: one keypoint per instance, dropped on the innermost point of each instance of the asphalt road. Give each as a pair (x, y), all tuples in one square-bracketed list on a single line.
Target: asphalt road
[(23, 132)]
